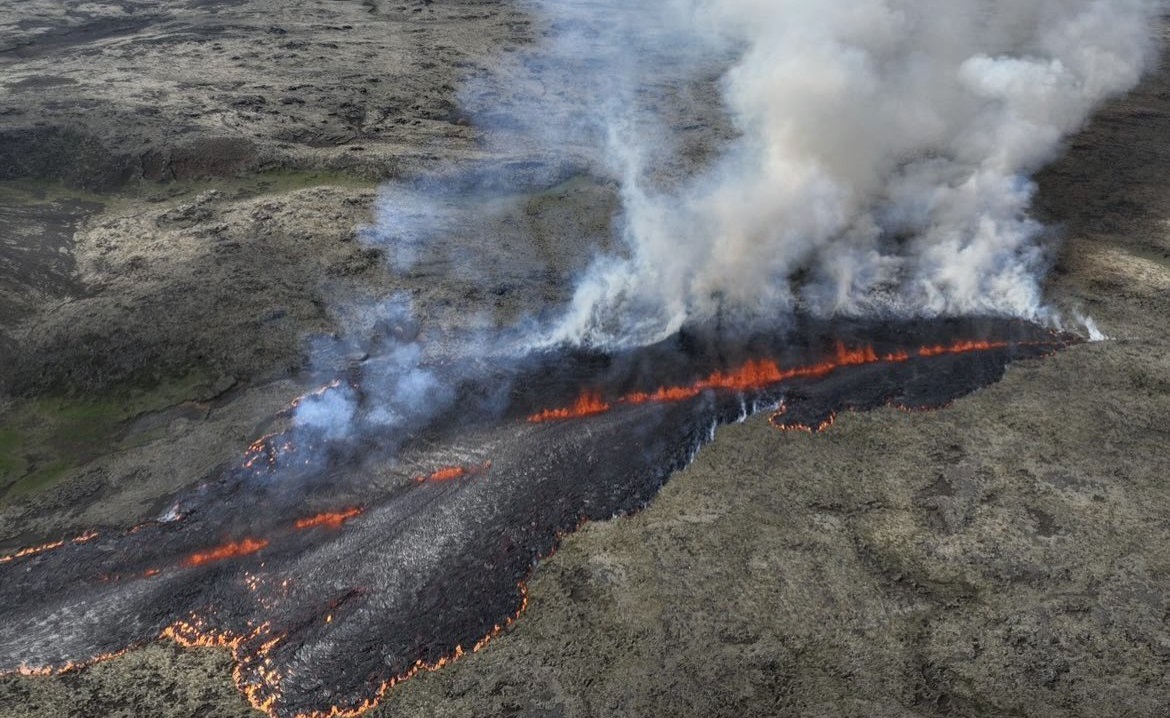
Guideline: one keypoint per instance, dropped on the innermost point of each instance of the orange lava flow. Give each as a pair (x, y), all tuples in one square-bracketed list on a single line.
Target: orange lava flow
[(449, 473), (34, 550), (588, 404), (778, 423), (459, 651), (251, 651), (419, 667), (965, 347), (262, 695), (265, 694), (759, 374), (331, 519), (260, 449), (233, 549), (318, 392), (67, 667)]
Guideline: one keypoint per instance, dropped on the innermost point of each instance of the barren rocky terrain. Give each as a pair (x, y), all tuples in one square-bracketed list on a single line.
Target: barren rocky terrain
[(185, 186)]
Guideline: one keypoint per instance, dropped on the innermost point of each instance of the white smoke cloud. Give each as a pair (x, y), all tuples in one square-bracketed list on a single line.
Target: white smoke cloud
[(329, 412), (881, 164), (391, 387)]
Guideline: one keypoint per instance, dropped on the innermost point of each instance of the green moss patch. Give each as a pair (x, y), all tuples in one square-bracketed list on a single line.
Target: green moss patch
[(43, 440)]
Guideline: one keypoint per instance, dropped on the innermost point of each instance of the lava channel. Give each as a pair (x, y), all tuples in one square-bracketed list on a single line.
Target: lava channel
[(332, 574)]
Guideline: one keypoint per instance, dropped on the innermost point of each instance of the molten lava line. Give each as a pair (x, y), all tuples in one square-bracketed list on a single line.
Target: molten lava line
[(331, 519), (759, 374), (316, 393), (420, 666), (588, 404), (450, 473), (789, 427), (67, 667), (233, 549), (254, 673), (265, 693), (262, 695), (34, 550)]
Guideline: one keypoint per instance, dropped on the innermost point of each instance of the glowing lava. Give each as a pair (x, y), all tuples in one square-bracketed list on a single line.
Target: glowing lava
[(34, 550), (282, 641), (777, 421), (233, 549), (588, 404), (68, 667), (261, 450), (450, 473), (331, 519), (419, 667), (759, 374), (964, 347), (247, 650)]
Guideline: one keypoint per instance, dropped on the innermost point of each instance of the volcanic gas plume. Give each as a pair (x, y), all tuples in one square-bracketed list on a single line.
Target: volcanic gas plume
[(391, 563), (872, 185), (880, 161)]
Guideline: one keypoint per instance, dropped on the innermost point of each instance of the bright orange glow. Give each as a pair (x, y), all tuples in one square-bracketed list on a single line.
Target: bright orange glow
[(332, 519), (961, 348), (233, 549), (260, 449), (34, 550), (779, 424), (452, 472), (449, 473), (254, 671), (67, 667), (263, 695), (588, 404), (758, 374)]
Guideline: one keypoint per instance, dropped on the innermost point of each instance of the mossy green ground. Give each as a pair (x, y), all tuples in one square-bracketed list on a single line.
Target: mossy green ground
[(43, 439)]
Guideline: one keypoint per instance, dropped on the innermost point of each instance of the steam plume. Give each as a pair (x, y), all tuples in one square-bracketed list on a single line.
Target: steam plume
[(880, 161)]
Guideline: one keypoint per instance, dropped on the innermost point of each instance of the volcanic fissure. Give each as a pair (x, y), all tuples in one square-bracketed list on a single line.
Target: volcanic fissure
[(406, 561)]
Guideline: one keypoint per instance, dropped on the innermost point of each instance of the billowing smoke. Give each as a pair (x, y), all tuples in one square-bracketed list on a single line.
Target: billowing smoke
[(772, 158), (880, 160), (866, 158), (375, 381)]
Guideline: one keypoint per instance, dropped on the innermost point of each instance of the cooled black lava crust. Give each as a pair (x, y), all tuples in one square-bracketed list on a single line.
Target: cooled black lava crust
[(326, 616)]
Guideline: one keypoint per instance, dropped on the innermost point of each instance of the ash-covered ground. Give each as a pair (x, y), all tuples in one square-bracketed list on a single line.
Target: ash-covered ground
[(185, 189)]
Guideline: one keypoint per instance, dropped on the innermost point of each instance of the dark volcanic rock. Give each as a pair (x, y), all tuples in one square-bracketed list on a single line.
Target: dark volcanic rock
[(329, 612), (104, 92)]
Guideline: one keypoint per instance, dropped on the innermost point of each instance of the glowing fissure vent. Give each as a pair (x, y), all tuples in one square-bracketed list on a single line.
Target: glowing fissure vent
[(254, 673), (758, 374)]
